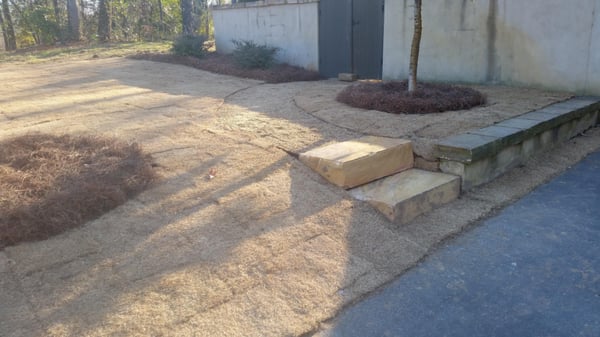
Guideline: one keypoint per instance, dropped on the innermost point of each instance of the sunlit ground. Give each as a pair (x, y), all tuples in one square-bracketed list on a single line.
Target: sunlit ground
[(82, 51)]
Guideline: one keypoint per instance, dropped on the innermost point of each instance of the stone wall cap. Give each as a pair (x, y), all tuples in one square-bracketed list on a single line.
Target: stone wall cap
[(262, 3)]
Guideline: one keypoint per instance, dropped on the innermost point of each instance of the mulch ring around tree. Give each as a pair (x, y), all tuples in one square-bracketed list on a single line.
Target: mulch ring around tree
[(225, 65), (49, 184), (393, 97)]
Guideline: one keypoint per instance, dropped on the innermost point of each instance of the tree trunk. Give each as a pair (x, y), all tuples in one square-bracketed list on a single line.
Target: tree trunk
[(161, 17), (11, 41), (145, 21), (74, 20), (196, 12), (414, 50), (3, 27), (187, 17), (206, 19), (103, 21), (57, 18)]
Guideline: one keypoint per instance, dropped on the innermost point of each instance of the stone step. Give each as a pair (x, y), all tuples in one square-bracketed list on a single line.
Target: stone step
[(357, 162), (406, 195)]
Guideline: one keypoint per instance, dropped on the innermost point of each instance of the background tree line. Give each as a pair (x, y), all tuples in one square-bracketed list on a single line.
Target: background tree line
[(27, 23)]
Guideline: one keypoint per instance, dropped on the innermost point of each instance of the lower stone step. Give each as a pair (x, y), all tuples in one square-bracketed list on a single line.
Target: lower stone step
[(356, 162), (406, 195)]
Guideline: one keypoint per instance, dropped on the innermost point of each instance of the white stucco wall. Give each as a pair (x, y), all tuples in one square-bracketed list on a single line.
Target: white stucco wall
[(552, 44), (290, 25)]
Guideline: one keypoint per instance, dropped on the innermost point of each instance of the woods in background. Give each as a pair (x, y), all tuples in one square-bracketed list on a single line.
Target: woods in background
[(27, 23)]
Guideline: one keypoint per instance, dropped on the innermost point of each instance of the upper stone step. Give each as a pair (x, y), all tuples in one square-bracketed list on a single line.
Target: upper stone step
[(404, 196), (357, 162)]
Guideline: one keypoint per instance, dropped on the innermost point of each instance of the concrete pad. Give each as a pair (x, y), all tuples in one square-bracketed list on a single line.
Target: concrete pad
[(347, 77), (406, 195), (356, 162)]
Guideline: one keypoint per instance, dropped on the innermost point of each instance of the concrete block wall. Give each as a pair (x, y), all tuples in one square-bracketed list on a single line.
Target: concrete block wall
[(291, 25), (552, 44)]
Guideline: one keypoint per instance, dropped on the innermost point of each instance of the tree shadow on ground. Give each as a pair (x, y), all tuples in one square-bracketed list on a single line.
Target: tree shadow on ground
[(266, 247)]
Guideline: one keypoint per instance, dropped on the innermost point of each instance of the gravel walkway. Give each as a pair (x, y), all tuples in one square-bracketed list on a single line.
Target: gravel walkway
[(267, 247)]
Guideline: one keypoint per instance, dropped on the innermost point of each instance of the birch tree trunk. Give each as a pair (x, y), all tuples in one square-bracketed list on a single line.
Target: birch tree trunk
[(414, 50)]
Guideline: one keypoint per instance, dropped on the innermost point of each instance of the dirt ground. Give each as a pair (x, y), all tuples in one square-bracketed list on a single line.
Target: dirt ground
[(266, 247)]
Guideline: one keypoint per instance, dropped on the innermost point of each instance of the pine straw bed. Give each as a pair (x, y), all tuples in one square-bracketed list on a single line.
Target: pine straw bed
[(49, 184), (393, 97), (224, 64)]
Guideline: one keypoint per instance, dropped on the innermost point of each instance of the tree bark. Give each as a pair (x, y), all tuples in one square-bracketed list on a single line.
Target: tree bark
[(206, 19), (414, 50), (57, 18), (11, 41), (161, 17), (103, 21), (3, 27), (74, 20), (187, 17)]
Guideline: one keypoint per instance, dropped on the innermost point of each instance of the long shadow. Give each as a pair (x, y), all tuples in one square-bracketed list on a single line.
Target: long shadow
[(203, 241), (221, 235)]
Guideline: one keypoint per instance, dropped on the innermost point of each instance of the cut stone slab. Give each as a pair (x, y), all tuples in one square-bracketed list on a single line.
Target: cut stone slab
[(481, 144), (406, 195), (466, 147), (356, 162), (347, 77), (479, 156)]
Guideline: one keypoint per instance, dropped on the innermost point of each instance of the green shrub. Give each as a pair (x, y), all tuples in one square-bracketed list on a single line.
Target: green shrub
[(250, 55), (189, 45)]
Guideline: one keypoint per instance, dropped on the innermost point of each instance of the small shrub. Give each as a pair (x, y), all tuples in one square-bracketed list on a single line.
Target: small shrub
[(249, 55), (189, 45)]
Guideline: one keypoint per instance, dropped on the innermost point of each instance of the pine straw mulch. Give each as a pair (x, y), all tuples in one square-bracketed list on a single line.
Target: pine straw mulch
[(393, 97), (49, 184), (224, 64)]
